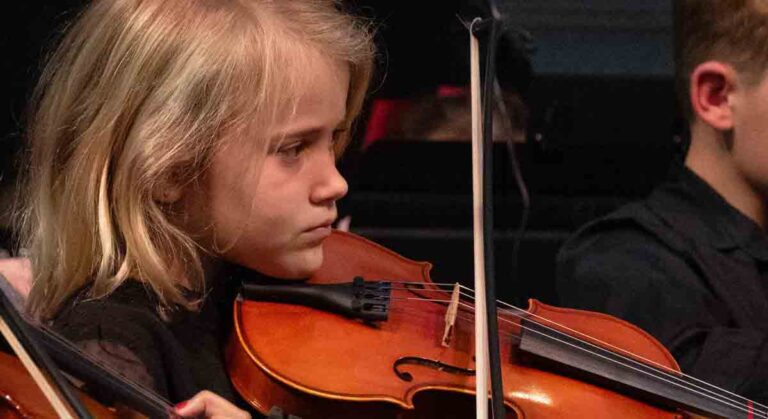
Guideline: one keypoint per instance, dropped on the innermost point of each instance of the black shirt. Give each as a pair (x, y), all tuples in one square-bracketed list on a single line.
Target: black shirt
[(688, 268), (177, 354)]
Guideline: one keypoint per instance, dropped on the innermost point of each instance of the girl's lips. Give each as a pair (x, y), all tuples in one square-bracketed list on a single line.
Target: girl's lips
[(318, 233)]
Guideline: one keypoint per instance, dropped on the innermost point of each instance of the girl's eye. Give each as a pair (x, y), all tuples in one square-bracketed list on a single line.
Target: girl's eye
[(292, 151)]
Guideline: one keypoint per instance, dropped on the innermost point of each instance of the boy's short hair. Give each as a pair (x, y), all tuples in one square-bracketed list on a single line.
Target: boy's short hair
[(732, 31)]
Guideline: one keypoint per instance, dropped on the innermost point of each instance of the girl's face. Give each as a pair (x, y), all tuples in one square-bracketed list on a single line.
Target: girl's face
[(275, 220)]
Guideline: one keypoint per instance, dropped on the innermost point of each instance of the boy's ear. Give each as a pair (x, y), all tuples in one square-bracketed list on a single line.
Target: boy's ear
[(711, 85)]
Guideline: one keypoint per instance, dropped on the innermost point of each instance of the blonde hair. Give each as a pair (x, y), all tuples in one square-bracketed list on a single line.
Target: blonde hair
[(138, 95), (732, 31)]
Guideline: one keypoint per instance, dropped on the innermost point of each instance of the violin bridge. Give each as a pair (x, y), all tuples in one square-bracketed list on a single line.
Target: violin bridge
[(450, 315)]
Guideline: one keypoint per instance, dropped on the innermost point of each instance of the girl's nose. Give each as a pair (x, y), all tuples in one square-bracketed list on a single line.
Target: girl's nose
[(330, 186)]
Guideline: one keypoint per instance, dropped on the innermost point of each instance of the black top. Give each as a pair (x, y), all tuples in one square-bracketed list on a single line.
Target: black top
[(177, 356), (688, 268)]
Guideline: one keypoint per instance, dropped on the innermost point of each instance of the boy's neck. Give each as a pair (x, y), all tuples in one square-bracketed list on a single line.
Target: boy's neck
[(709, 158)]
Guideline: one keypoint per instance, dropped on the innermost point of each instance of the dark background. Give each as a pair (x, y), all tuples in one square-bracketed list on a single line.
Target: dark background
[(603, 126), (603, 130)]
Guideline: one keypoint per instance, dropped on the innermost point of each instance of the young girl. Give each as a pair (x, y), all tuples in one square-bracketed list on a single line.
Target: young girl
[(168, 139)]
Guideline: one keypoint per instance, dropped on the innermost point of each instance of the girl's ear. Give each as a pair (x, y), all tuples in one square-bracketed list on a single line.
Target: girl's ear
[(166, 193), (712, 85)]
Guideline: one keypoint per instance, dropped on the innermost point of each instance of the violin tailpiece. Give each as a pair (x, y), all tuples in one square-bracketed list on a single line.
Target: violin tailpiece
[(359, 299)]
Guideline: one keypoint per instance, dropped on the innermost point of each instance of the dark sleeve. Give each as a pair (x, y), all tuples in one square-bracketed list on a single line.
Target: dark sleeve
[(630, 274), (119, 359), (123, 338)]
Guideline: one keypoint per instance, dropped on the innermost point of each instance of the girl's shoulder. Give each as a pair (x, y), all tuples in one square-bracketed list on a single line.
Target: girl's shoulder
[(128, 305), (123, 329)]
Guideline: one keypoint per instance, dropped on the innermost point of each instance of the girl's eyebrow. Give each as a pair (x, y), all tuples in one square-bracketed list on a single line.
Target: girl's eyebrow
[(310, 130), (302, 132)]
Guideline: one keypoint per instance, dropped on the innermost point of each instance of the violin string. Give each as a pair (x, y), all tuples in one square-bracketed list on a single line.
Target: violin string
[(469, 319), (658, 375), (527, 315), (668, 372), (506, 338), (676, 379), (661, 377), (715, 389), (673, 380), (720, 392)]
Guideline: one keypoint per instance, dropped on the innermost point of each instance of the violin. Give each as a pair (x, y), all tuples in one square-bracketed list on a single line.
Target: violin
[(403, 357), (33, 387), (21, 398)]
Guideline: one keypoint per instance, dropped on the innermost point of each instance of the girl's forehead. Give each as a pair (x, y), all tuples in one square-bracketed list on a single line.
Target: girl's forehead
[(314, 85), (290, 77), (305, 89)]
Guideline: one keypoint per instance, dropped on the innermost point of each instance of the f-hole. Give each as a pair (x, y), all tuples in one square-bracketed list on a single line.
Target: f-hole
[(437, 365)]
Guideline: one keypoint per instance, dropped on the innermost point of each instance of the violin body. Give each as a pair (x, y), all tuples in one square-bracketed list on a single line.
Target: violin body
[(317, 364), (21, 398)]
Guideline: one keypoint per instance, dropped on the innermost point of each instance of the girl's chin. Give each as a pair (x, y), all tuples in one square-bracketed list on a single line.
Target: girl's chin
[(299, 265)]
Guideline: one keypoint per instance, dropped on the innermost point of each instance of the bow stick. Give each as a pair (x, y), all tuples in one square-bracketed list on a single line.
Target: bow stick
[(487, 358), (487, 352)]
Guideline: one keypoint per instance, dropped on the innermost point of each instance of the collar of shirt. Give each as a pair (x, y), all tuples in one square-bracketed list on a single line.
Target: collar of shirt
[(692, 207)]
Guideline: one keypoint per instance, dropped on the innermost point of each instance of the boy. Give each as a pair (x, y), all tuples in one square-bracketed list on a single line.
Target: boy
[(689, 264)]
